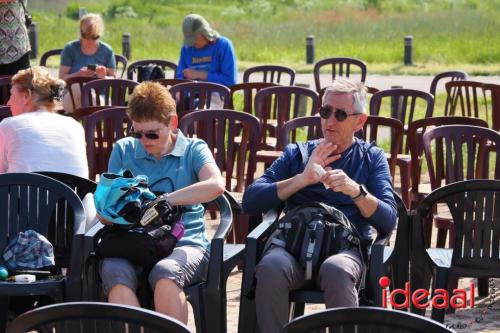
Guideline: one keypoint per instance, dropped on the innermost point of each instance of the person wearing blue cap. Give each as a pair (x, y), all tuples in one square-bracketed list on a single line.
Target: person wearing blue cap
[(206, 56)]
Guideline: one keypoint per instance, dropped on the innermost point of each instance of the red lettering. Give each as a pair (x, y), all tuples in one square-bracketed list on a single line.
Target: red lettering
[(440, 299), (418, 296), (459, 299), (471, 297), (406, 293)]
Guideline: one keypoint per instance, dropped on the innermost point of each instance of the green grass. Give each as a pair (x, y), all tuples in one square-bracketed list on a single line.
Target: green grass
[(462, 34)]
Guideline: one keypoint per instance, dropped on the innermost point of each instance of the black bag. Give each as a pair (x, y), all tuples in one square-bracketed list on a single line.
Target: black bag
[(314, 231), (149, 72)]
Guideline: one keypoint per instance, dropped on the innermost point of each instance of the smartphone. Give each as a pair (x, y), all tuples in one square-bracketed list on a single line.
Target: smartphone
[(91, 67)]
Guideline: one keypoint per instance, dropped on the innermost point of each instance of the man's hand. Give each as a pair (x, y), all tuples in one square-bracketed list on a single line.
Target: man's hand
[(192, 74), (323, 155), (338, 181)]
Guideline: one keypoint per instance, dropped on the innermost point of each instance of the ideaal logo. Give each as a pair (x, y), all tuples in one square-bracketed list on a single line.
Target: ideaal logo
[(420, 297)]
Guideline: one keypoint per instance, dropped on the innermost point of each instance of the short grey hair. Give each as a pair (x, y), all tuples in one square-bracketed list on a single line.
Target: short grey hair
[(345, 86)]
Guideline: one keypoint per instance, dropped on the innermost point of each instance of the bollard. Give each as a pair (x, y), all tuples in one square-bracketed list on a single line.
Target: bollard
[(310, 49), (126, 46), (33, 37), (81, 11), (408, 50)]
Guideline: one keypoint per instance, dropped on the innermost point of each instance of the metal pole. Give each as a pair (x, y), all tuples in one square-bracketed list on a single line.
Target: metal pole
[(33, 37), (408, 50), (126, 45), (310, 49)]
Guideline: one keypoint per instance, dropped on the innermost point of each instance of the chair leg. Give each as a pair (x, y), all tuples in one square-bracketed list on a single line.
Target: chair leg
[(441, 282), (405, 174), (296, 309), (4, 312), (441, 238), (482, 287)]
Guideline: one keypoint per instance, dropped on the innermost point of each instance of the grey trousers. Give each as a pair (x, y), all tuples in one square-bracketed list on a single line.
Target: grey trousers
[(278, 272)]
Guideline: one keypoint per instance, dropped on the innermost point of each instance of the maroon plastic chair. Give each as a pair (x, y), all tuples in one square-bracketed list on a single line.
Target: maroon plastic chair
[(232, 137), (493, 92), (276, 105), (50, 53), (164, 64), (403, 104), (168, 83), (311, 125), (192, 96), (112, 92), (5, 112), (121, 65), (465, 153), (340, 66), (448, 76), (467, 98), (245, 93), (102, 129), (5, 85), (271, 74), (77, 82)]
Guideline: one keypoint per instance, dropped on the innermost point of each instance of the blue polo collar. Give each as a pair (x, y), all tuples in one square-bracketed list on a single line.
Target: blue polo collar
[(179, 150)]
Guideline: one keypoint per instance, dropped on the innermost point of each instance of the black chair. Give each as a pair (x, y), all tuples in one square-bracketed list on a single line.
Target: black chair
[(364, 319), (5, 85), (92, 317), (121, 65), (50, 53), (208, 298), (33, 201), (5, 112), (82, 187), (254, 250), (474, 206)]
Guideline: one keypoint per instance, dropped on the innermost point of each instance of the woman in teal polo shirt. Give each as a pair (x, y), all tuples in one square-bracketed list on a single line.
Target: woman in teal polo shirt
[(182, 167)]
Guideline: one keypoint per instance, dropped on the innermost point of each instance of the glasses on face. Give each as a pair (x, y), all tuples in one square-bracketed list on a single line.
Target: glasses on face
[(340, 114), (151, 135), (89, 36)]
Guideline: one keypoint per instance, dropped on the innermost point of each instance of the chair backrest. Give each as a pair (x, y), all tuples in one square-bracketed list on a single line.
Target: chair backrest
[(293, 130), (5, 85), (112, 92), (102, 129), (271, 74), (465, 151), (75, 87), (5, 112), (32, 201), (121, 65), (467, 98), (81, 186), (383, 131), (448, 76), (88, 317), (473, 205), (340, 66), (50, 53), (403, 105), (164, 64), (282, 104), (493, 92), (168, 83), (364, 319), (192, 96), (222, 127), (415, 132), (243, 95)]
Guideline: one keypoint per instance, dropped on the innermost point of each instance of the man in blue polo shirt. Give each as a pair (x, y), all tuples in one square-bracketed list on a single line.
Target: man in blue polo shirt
[(357, 181), (206, 56)]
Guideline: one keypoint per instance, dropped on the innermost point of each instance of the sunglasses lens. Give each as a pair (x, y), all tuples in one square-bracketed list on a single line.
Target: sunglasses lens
[(151, 136), (138, 135), (340, 115), (135, 135), (325, 111)]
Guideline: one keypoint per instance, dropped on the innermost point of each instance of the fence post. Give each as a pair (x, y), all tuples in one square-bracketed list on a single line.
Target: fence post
[(33, 37), (408, 50), (126, 45), (310, 49)]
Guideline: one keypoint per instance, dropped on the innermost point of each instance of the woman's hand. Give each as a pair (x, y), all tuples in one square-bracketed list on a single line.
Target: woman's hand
[(100, 71), (84, 71)]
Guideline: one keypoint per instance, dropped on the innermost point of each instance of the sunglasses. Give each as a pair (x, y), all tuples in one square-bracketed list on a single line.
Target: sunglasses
[(151, 135), (340, 114), (87, 36)]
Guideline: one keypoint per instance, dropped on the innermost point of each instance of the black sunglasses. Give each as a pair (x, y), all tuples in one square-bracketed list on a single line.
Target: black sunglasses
[(86, 36), (340, 114), (151, 135)]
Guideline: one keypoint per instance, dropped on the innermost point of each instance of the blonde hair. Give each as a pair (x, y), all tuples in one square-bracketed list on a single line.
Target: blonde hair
[(151, 101), (345, 86), (45, 89), (92, 24)]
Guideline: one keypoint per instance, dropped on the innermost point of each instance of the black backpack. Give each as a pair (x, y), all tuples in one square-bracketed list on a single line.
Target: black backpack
[(149, 72), (314, 231)]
